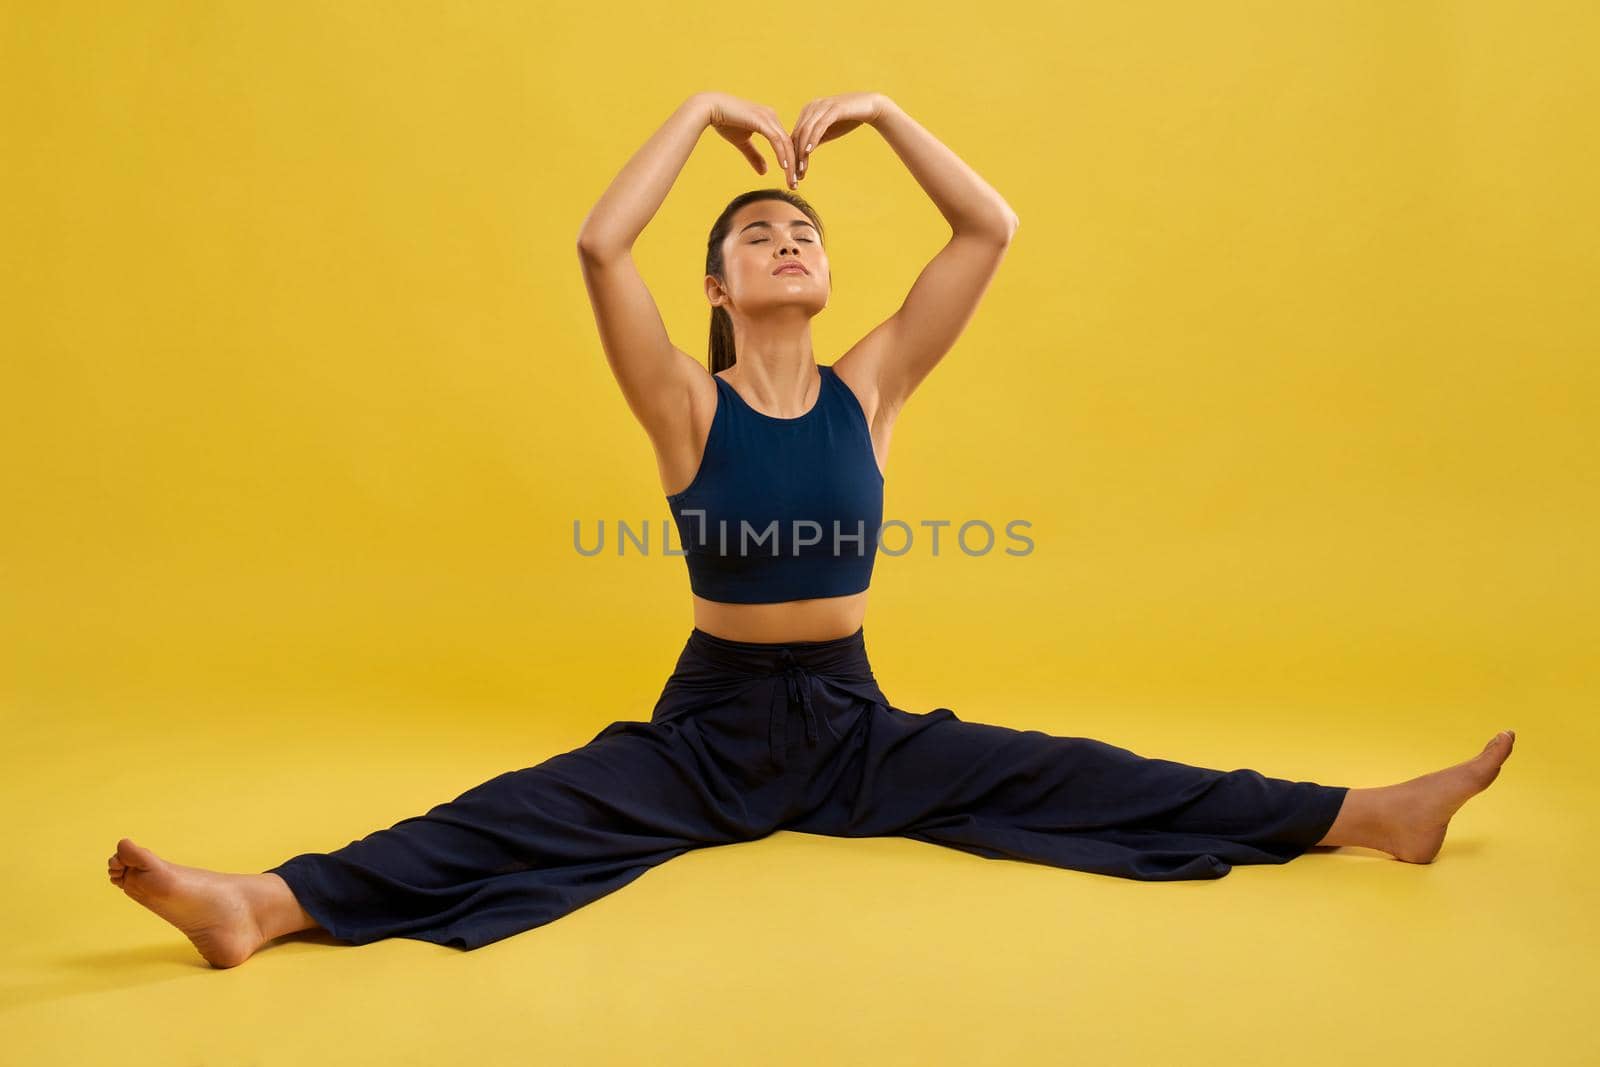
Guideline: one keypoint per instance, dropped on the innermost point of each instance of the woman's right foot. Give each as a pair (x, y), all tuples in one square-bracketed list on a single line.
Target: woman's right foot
[(1419, 811), (215, 911)]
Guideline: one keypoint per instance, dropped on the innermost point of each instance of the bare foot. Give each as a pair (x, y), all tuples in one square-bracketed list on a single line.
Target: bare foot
[(1418, 812), (213, 909)]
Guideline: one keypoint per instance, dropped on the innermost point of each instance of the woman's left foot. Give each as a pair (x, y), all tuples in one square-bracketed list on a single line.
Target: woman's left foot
[(1420, 810)]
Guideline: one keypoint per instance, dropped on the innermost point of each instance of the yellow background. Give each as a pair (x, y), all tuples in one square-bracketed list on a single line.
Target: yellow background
[(1292, 368)]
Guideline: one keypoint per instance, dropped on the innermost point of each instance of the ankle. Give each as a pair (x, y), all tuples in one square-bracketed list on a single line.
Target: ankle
[(277, 910), (1363, 819)]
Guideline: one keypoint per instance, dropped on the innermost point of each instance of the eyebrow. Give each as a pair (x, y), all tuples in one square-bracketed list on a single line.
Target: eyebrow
[(768, 225)]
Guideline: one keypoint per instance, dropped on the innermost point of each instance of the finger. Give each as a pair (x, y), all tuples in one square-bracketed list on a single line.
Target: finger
[(754, 156), (811, 135), (794, 138), (780, 148), (773, 130)]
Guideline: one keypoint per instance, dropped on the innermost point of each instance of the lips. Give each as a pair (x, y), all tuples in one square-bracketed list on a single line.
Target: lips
[(791, 268)]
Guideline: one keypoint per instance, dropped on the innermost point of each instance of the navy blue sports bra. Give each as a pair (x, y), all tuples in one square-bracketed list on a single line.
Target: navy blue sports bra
[(782, 509)]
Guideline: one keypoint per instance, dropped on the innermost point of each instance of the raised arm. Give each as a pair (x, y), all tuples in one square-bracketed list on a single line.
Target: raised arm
[(656, 376), (903, 350)]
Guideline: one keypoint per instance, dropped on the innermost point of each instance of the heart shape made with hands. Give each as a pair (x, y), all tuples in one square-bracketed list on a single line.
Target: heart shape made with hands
[(821, 120)]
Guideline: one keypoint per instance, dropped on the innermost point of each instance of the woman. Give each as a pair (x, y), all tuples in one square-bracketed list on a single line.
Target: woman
[(773, 468)]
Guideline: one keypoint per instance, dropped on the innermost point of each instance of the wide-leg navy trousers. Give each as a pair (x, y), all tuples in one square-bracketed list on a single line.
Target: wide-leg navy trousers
[(748, 738)]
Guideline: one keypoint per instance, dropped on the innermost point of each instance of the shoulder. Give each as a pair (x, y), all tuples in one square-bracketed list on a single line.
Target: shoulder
[(859, 369), (703, 401), (681, 440)]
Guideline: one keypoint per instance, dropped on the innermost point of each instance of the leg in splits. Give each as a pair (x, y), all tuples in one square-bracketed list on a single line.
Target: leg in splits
[(735, 750), (1083, 804), (515, 852), (1071, 802)]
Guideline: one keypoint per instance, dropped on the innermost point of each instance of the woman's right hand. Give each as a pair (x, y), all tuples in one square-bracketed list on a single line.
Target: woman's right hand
[(737, 120)]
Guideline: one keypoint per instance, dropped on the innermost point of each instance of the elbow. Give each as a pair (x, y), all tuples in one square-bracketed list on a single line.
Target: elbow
[(588, 249), (592, 248), (999, 228)]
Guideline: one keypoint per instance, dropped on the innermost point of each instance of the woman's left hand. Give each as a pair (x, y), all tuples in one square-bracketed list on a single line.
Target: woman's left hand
[(830, 117)]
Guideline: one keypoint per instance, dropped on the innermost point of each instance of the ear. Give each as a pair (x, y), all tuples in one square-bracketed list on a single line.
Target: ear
[(714, 290)]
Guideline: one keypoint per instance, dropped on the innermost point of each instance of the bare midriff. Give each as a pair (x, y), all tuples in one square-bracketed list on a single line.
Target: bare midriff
[(822, 619)]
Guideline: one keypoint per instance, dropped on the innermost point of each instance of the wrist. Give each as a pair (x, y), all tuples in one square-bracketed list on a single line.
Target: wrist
[(702, 106), (886, 108)]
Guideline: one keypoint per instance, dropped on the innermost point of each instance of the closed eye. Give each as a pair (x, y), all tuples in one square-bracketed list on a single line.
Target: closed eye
[(803, 240)]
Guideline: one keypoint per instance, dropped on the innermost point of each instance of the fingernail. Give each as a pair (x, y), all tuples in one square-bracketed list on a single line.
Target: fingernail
[(808, 148)]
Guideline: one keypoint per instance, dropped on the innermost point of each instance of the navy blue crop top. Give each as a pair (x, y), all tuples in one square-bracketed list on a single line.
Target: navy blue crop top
[(782, 509)]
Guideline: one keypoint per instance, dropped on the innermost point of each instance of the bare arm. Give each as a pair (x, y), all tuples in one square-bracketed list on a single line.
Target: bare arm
[(658, 379), (655, 376), (968, 203), (637, 192), (904, 349)]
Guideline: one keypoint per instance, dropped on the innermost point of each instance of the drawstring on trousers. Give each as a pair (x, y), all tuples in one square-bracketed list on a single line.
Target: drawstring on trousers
[(797, 688)]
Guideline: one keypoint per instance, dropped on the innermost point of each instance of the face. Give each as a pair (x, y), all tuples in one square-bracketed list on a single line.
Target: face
[(767, 235)]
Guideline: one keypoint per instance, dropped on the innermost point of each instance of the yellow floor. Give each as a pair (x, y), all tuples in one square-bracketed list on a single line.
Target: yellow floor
[(796, 948)]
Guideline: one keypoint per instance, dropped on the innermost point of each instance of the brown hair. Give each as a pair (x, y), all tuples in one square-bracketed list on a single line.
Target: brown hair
[(721, 353)]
